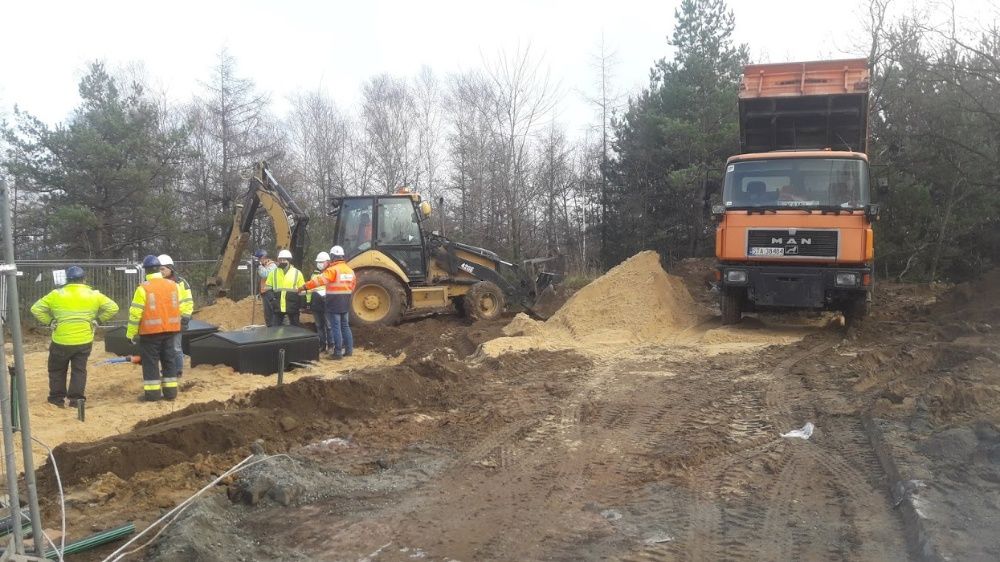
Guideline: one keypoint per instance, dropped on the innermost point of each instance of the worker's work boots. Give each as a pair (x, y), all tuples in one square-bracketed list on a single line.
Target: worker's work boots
[(170, 387), (151, 392)]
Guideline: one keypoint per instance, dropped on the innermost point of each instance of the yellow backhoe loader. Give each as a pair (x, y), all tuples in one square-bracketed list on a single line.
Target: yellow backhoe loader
[(403, 269), (264, 192)]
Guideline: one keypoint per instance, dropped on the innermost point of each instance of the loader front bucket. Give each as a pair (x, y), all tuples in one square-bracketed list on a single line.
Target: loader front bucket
[(539, 288)]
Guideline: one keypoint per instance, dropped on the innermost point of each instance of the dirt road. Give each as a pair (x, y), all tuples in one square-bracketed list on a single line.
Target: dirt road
[(654, 453)]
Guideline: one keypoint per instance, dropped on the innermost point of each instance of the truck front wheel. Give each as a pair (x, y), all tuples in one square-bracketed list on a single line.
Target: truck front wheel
[(857, 310), (732, 305)]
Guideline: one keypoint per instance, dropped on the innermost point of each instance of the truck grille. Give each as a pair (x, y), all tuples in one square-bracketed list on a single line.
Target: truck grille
[(792, 243)]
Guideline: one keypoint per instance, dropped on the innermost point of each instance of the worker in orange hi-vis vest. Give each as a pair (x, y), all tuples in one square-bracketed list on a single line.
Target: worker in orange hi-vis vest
[(153, 320), (340, 282)]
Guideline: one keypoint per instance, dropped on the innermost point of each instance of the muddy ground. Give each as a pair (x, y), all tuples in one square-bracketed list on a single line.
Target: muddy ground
[(650, 451)]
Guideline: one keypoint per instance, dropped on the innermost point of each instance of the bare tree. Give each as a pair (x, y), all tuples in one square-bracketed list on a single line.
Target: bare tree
[(387, 115), (522, 98), (606, 101), (240, 124), (429, 122)]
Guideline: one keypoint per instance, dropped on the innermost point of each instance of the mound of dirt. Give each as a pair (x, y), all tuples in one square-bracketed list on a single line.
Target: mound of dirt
[(232, 315), (699, 276), (976, 301), (436, 336), (281, 415), (634, 302)]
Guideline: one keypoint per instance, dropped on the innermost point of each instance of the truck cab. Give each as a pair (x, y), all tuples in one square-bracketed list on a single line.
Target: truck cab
[(795, 225)]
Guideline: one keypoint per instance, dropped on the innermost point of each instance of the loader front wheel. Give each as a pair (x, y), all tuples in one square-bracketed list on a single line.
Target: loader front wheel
[(484, 301), (379, 299)]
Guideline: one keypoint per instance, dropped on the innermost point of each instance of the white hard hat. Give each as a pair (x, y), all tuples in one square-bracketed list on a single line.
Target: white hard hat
[(165, 260), (322, 256), (337, 251), (285, 254)]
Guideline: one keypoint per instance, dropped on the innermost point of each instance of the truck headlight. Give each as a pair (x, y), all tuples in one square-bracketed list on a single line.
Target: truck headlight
[(736, 276), (847, 279)]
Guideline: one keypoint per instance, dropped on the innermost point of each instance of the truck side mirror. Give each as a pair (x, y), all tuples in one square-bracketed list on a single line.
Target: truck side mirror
[(872, 212), (718, 211)]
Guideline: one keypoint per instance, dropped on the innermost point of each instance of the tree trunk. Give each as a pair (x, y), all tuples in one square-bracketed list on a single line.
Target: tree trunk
[(945, 220)]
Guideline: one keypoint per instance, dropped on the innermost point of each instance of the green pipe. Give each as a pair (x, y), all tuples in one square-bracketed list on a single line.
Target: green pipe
[(26, 529), (94, 541)]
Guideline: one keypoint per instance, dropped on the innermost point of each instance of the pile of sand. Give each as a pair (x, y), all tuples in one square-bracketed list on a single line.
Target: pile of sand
[(635, 302), (232, 315)]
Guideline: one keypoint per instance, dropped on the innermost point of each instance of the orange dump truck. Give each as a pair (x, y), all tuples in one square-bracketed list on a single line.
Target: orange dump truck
[(795, 225)]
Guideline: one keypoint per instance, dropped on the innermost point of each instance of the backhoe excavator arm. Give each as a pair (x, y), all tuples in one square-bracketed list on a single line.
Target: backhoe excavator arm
[(264, 192)]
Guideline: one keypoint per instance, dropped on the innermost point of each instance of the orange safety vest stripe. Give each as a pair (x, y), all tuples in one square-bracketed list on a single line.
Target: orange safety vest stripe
[(162, 312), (342, 281)]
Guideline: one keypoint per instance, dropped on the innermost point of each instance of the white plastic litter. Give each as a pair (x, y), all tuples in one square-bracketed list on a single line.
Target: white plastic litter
[(804, 433)]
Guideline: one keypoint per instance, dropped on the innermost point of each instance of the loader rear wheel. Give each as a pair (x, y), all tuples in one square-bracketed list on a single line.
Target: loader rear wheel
[(732, 305), (484, 301), (379, 299)]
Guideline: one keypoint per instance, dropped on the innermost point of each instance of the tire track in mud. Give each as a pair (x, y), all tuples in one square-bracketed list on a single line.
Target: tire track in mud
[(755, 502), (646, 458)]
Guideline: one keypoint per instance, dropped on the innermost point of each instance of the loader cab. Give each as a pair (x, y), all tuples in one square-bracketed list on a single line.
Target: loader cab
[(389, 224)]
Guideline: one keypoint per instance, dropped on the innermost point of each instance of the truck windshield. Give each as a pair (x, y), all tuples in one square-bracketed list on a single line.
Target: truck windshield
[(797, 182)]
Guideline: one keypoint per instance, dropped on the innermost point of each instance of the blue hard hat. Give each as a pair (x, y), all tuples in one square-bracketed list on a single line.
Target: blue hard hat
[(150, 261), (260, 253), (74, 273)]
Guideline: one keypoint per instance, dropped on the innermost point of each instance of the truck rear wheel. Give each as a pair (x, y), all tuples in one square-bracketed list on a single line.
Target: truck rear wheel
[(379, 299), (732, 305), (484, 301)]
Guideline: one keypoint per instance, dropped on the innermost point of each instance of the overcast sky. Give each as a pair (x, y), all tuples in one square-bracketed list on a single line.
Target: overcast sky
[(296, 44)]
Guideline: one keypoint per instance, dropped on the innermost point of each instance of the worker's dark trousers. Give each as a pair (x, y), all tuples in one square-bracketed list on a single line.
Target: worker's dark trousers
[(179, 350), (279, 318), (341, 338), (319, 316), (157, 349), (268, 308), (292, 305), (60, 358)]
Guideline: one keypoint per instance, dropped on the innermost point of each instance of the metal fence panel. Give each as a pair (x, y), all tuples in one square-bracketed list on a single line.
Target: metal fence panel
[(117, 279)]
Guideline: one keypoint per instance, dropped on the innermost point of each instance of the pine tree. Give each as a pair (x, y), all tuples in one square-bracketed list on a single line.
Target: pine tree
[(672, 142), (99, 184)]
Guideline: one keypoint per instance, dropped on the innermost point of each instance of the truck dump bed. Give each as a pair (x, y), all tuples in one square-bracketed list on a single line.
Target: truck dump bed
[(804, 105)]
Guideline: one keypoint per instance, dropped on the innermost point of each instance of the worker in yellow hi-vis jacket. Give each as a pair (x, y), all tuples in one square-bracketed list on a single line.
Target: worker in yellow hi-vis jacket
[(283, 286), (71, 310)]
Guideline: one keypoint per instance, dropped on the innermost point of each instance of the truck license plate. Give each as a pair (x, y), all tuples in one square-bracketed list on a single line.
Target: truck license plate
[(759, 251)]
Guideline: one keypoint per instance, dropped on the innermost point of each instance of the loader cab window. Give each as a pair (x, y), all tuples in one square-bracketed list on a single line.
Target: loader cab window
[(398, 234), (797, 182), (397, 222), (354, 232)]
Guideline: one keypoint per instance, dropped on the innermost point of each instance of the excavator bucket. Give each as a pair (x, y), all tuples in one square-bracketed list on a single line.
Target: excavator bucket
[(539, 287)]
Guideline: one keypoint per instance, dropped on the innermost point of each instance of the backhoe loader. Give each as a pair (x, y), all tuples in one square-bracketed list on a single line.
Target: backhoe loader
[(263, 192), (402, 268)]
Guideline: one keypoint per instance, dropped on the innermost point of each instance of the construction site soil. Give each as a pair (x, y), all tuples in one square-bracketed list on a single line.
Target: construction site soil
[(629, 426)]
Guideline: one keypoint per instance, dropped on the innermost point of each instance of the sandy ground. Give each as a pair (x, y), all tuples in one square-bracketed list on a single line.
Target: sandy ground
[(113, 406), (113, 392)]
